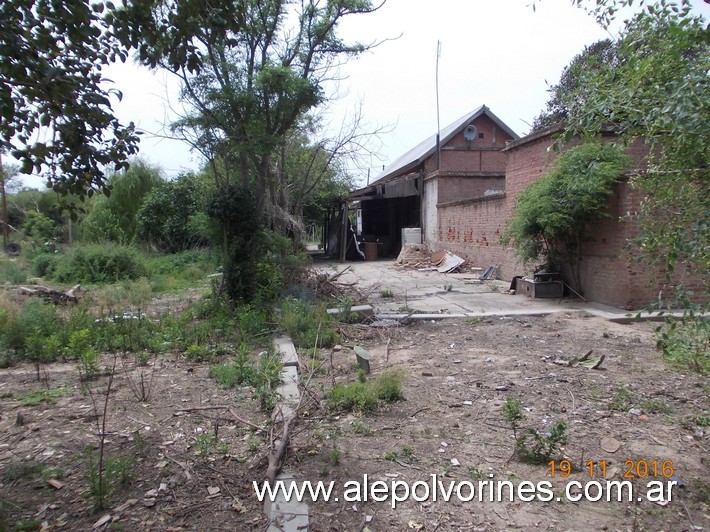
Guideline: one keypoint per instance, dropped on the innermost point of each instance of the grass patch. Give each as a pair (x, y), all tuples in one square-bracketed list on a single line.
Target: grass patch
[(37, 397), (364, 397)]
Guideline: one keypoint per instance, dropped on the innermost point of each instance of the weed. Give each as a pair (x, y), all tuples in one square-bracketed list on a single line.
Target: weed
[(197, 353), (119, 469), (386, 293), (28, 525), (473, 321), (655, 406), (360, 428), (104, 475), (361, 375), (388, 386), (237, 373), (308, 325), (11, 273), (448, 287), (335, 456), (474, 473), (358, 397), (406, 454), (494, 288), (204, 444), (536, 448), (513, 414), (622, 400), (686, 344), (19, 470), (324, 470), (363, 397), (37, 397)]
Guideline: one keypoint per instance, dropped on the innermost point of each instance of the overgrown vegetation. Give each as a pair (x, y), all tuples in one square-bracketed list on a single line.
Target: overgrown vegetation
[(533, 446), (551, 216), (657, 92), (364, 397)]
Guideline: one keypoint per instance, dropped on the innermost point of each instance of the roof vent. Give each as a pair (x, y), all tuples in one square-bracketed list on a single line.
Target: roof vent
[(470, 133)]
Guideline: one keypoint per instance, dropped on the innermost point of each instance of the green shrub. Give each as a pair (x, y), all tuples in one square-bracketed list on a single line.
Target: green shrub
[(100, 264), (263, 377), (10, 272), (686, 344), (305, 323), (45, 264), (363, 397), (356, 396), (388, 386), (536, 448)]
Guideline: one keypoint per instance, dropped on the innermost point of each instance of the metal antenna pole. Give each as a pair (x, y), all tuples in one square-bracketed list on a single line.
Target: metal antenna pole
[(438, 125)]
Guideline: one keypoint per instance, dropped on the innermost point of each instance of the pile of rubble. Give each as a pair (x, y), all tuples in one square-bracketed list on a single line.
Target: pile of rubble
[(414, 256)]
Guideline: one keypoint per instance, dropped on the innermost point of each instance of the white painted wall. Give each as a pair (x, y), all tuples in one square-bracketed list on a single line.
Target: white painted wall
[(430, 229)]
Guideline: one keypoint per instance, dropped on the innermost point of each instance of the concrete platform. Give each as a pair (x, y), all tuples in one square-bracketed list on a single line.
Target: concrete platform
[(434, 295)]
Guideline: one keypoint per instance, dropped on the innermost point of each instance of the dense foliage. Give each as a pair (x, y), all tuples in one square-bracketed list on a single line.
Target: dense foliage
[(55, 109), (550, 218), (659, 91)]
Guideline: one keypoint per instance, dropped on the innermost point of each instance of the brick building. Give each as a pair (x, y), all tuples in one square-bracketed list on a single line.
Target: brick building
[(463, 199)]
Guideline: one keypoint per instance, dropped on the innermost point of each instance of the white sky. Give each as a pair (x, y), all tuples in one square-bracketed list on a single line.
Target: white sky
[(499, 53)]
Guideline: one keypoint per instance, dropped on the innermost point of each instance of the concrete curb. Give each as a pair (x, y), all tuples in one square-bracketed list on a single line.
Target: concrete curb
[(286, 515)]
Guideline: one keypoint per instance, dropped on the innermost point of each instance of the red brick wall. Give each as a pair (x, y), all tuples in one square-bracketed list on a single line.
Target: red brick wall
[(452, 188), (472, 230), (609, 273)]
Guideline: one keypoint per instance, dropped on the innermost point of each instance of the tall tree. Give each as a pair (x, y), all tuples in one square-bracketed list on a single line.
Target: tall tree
[(250, 70), (55, 109), (658, 91), (601, 54)]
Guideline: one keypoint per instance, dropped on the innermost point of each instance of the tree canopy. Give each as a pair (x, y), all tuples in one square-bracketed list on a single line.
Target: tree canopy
[(55, 107), (658, 91), (250, 71), (568, 90)]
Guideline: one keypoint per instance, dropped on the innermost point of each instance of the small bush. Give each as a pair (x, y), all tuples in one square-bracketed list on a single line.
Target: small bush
[(10, 272), (100, 264), (45, 264), (535, 448), (364, 397), (388, 386), (307, 324), (686, 344), (357, 396)]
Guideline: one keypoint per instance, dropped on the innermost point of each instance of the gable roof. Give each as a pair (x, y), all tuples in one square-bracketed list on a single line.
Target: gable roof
[(425, 149)]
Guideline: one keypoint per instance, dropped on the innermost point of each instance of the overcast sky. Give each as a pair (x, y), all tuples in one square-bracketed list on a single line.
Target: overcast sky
[(500, 53)]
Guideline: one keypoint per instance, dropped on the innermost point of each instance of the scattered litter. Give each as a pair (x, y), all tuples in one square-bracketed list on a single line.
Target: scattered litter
[(455, 462), (610, 445), (584, 361), (213, 490), (53, 482), (490, 359), (101, 522), (449, 263), (488, 272)]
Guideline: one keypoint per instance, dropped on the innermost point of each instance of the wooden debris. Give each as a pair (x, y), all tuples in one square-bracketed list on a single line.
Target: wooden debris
[(55, 296)]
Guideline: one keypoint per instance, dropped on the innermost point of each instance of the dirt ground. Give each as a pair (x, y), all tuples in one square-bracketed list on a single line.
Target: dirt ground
[(459, 374)]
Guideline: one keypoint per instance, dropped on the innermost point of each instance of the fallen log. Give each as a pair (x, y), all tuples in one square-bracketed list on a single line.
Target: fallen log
[(55, 296)]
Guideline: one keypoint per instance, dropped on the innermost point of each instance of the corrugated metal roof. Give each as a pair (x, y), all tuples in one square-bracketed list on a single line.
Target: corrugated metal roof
[(426, 148)]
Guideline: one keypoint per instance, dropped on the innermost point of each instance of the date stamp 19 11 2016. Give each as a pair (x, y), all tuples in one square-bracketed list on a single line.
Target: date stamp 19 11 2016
[(631, 469)]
